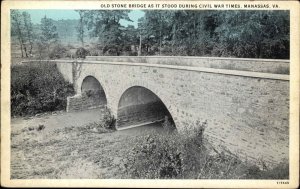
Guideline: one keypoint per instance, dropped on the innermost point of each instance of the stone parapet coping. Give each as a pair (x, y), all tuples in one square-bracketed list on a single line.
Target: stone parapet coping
[(177, 67), (198, 57)]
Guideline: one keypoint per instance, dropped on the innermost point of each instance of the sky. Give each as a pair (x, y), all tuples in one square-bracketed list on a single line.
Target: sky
[(37, 15)]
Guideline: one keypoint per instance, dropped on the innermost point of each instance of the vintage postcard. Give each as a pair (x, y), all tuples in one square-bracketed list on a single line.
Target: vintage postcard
[(188, 94)]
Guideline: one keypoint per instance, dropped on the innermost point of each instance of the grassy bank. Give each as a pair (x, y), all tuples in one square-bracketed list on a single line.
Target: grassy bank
[(172, 155)]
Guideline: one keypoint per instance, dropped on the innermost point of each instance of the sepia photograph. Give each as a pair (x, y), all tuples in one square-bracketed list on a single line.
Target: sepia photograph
[(171, 92)]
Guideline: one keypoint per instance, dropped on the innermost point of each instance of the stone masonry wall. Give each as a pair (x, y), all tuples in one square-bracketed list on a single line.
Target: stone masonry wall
[(249, 115), (82, 102), (66, 70)]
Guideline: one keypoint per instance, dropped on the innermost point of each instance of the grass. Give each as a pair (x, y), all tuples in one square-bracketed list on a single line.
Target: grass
[(170, 155), (93, 151)]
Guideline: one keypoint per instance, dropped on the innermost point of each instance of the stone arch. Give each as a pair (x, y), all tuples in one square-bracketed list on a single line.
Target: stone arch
[(92, 92), (139, 106)]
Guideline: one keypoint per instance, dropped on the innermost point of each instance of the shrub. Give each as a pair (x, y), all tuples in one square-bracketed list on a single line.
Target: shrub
[(168, 155), (57, 52), (89, 93), (163, 156), (82, 52), (94, 127), (155, 156), (95, 50), (168, 125), (280, 171), (109, 122), (40, 127), (37, 88)]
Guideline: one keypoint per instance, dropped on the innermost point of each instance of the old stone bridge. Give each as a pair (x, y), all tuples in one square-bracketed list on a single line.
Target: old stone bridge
[(245, 101)]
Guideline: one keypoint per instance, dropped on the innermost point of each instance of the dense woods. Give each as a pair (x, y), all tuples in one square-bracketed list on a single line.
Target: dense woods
[(226, 33)]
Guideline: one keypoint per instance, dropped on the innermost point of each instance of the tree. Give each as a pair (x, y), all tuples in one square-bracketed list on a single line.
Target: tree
[(49, 33), (105, 24), (29, 30), (131, 40), (155, 28), (240, 33), (254, 34), (80, 27), (18, 30)]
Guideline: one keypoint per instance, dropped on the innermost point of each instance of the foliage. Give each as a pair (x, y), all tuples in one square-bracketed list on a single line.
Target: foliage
[(80, 27), (155, 156), (170, 155), (105, 25), (185, 155), (168, 124), (37, 88), (106, 124), (22, 28), (29, 30), (82, 52), (58, 51), (233, 33), (97, 127), (280, 171), (40, 127), (109, 122), (251, 34), (49, 34)]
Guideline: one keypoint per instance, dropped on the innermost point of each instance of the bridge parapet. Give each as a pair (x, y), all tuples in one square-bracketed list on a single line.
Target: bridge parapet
[(243, 64)]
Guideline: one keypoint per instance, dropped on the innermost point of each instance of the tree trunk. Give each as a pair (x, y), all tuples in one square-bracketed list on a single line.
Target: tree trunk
[(174, 37), (25, 50), (21, 47), (48, 50), (160, 42), (22, 41), (140, 46), (160, 35)]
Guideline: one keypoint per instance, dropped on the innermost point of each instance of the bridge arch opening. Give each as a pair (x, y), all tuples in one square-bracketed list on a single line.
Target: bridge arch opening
[(93, 93), (139, 106)]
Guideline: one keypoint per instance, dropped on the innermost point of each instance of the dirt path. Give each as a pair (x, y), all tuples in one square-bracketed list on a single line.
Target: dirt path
[(68, 148)]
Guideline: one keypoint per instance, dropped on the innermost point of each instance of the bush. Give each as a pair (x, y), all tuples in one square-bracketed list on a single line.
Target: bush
[(89, 93), (280, 171), (95, 50), (155, 157), (37, 88), (165, 156), (109, 122), (57, 52), (168, 124), (82, 52), (96, 127), (170, 155)]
